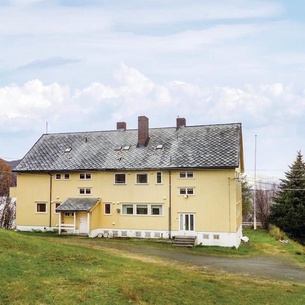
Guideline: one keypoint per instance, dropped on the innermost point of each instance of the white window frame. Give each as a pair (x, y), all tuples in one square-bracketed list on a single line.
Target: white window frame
[(40, 203), (87, 191), (115, 180), (186, 175), (190, 191), (141, 208), (136, 206), (141, 174), (85, 176), (156, 206), (107, 204), (56, 204), (125, 208), (159, 175)]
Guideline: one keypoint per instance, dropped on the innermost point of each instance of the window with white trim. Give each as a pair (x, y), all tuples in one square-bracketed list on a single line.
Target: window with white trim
[(142, 209), (119, 178), (159, 177), (84, 191), (107, 208), (127, 209), (85, 176), (186, 175), (55, 207), (142, 178), (156, 209), (67, 176), (186, 191), (41, 207)]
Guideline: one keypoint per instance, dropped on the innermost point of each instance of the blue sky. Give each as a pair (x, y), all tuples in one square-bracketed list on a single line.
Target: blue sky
[(84, 65)]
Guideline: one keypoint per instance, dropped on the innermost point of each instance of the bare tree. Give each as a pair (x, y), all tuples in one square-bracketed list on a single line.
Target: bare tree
[(7, 207), (264, 200)]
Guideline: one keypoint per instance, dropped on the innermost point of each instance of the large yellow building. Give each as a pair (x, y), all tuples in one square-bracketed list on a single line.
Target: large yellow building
[(145, 182)]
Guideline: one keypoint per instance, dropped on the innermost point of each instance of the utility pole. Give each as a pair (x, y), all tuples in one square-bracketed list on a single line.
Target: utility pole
[(254, 194)]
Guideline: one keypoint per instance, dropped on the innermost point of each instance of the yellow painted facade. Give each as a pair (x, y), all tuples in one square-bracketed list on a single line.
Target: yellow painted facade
[(215, 203)]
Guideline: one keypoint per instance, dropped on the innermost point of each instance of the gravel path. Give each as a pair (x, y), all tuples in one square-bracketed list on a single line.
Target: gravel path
[(259, 266)]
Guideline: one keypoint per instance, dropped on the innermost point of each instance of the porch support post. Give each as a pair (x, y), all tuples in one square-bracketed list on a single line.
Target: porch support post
[(59, 223), (88, 223), (74, 222)]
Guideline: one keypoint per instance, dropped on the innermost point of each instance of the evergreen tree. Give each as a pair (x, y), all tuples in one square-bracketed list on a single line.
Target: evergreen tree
[(288, 212)]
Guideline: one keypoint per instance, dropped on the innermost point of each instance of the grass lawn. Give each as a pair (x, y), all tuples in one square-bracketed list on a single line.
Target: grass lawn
[(44, 269)]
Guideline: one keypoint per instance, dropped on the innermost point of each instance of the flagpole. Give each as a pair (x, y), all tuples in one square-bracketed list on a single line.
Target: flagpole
[(254, 194)]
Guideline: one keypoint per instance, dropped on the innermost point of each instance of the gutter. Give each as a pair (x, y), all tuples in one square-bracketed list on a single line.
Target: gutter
[(170, 205)]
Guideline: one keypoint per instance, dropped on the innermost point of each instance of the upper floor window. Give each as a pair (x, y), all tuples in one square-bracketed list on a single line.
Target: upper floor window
[(159, 177), (60, 176), (185, 175), (186, 191), (142, 178), (119, 178), (85, 176), (84, 191), (142, 209)]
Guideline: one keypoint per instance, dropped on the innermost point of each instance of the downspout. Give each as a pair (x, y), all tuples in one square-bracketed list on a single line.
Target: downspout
[(170, 205), (229, 185), (51, 187)]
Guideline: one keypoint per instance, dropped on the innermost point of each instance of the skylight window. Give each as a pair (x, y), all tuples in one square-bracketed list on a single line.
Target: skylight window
[(160, 146), (68, 149), (126, 147), (118, 148)]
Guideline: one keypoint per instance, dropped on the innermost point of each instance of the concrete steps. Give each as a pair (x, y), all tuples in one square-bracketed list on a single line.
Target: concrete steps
[(184, 241)]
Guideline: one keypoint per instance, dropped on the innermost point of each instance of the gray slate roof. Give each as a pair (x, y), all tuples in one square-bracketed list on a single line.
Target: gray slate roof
[(204, 146), (78, 204)]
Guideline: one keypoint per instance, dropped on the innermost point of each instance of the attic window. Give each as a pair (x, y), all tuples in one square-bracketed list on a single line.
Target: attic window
[(118, 148), (67, 150), (126, 147), (160, 146)]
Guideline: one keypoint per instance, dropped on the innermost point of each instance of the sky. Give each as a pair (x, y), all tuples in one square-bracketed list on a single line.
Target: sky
[(71, 65)]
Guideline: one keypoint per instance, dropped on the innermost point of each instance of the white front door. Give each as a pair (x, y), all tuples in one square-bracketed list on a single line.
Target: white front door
[(186, 223), (83, 224)]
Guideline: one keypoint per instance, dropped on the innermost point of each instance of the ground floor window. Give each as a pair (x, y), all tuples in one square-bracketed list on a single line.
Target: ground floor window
[(41, 207), (142, 209), (187, 222), (107, 208)]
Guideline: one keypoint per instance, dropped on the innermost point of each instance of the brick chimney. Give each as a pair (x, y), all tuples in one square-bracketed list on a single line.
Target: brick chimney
[(121, 126), (143, 131), (181, 122)]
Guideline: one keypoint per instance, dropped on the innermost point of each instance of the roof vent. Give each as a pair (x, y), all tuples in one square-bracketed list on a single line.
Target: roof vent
[(68, 149), (160, 146)]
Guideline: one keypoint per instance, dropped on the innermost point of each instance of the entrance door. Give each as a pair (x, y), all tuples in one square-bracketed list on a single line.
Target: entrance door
[(187, 223), (83, 224)]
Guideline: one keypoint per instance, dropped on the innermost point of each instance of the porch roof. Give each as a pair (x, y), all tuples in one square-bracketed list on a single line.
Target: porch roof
[(78, 204)]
